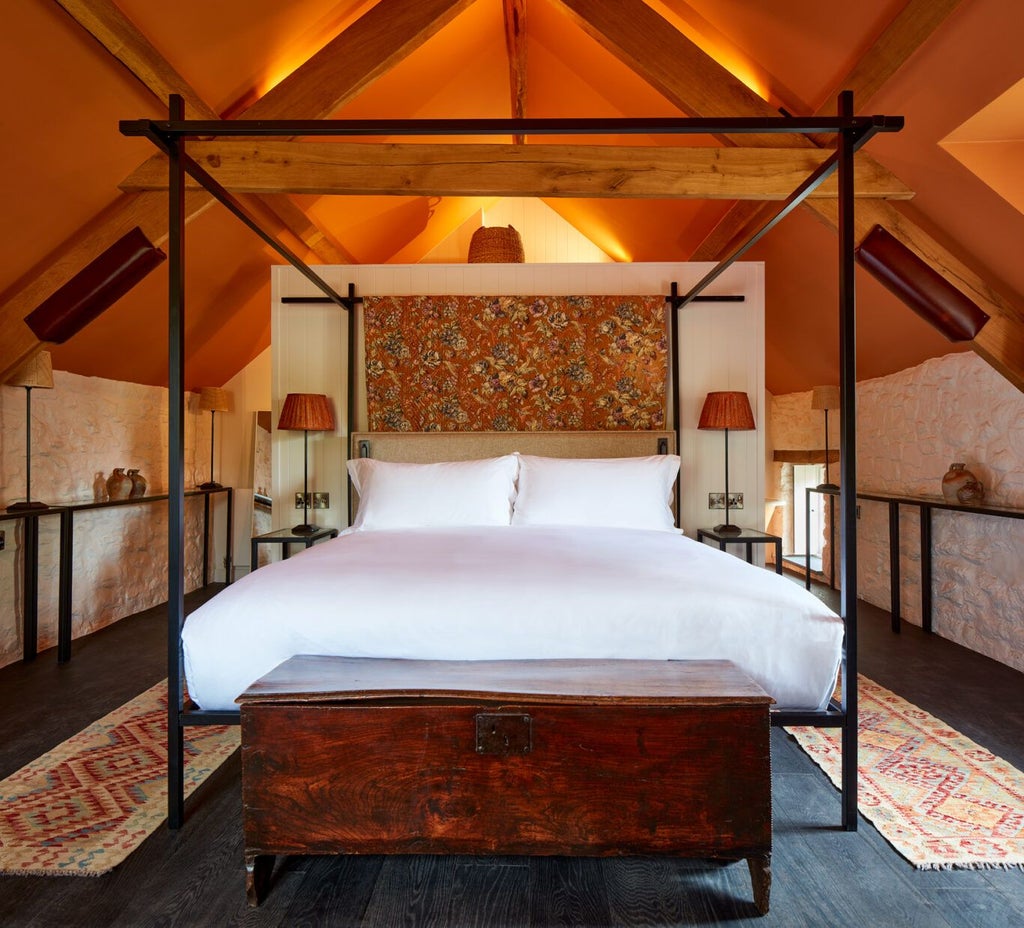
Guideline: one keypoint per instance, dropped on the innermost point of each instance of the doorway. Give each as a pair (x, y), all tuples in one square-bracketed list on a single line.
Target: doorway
[(801, 547)]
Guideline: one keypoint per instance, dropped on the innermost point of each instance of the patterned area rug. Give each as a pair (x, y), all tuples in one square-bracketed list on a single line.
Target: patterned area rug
[(83, 807), (938, 798)]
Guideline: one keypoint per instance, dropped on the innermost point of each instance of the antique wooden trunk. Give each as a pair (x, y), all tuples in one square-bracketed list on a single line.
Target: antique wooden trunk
[(369, 756)]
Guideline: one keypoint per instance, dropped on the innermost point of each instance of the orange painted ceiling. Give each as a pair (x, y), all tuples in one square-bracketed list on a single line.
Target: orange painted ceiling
[(62, 156)]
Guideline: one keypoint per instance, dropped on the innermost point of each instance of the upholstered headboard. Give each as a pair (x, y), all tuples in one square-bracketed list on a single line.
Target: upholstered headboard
[(429, 447)]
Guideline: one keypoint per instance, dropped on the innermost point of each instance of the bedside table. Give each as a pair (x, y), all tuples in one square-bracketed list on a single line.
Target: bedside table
[(285, 537), (747, 536)]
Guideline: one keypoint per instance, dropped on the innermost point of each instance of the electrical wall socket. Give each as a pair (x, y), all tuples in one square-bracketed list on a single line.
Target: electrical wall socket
[(317, 500), (717, 501)]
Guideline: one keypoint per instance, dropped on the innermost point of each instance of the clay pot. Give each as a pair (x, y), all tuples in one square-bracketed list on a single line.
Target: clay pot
[(119, 484), (959, 485), (138, 483)]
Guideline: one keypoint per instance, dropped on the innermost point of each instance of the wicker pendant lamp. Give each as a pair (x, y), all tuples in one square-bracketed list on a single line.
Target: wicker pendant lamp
[(496, 245)]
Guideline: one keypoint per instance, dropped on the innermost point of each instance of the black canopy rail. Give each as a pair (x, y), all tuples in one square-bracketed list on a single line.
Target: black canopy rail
[(160, 131), (170, 136)]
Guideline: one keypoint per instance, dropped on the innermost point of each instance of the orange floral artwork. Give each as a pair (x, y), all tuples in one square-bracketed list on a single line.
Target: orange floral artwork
[(515, 363)]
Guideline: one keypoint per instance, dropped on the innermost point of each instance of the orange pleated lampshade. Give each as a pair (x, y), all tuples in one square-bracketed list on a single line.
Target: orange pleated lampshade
[(727, 409), (306, 412)]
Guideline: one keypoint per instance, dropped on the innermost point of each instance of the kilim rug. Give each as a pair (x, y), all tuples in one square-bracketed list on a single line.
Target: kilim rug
[(82, 808), (938, 798)]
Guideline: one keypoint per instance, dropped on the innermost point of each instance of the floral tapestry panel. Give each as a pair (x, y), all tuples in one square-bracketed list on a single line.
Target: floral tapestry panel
[(515, 363)]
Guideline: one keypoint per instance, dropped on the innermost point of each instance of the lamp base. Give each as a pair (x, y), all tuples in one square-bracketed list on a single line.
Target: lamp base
[(826, 486), (727, 530), (211, 485), (29, 505), (306, 529)]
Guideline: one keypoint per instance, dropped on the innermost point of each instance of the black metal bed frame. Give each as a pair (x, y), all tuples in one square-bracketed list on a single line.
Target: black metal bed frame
[(170, 136)]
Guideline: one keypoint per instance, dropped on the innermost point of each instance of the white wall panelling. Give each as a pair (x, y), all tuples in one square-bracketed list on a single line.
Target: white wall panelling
[(721, 345), (546, 235)]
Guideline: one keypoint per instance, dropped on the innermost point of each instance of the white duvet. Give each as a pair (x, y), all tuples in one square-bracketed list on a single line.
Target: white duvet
[(515, 593)]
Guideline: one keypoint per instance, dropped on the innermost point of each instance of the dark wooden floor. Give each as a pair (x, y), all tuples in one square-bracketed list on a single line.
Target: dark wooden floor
[(822, 876)]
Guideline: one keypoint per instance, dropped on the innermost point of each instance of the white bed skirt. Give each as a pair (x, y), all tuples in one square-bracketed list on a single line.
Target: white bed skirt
[(512, 593)]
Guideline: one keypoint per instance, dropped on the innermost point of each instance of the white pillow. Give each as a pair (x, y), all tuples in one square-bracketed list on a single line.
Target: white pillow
[(431, 495), (614, 492)]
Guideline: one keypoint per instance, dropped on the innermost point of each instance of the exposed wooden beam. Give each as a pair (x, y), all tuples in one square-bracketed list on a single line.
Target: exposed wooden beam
[(676, 67), (700, 82), (339, 71), (515, 44), (118, 34), (349, 63), (515, 170), (805, 457), (146, 210), (124, 41), (1001, 341), (907, 32), (318, 239)]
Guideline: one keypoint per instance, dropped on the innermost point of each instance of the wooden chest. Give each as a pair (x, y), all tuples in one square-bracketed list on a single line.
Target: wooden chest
[(566, 757)]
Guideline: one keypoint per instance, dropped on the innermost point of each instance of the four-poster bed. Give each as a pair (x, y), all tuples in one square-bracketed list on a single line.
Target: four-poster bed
[(171, 135)]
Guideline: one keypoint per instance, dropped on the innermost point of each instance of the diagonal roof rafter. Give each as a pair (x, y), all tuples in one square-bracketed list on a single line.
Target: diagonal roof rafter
[(697, 84), (345, 66)]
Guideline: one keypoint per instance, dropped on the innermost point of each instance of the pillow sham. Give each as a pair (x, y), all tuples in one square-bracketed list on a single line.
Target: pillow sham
[(450, 493), (611, 492)]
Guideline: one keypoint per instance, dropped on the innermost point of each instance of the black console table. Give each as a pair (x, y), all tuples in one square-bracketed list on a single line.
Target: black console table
[(30, 573), (67, 511), (926, 505), (285, 537), (748, 537)]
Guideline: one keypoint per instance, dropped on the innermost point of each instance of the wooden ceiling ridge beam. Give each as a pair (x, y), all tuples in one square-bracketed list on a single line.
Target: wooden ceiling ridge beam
[(447, 169), (514, 12), (346, 65), (656, 51), (904, 35)]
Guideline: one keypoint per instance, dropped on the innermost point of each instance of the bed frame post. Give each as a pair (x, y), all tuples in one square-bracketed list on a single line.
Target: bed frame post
[(175, 472), (848, 461)]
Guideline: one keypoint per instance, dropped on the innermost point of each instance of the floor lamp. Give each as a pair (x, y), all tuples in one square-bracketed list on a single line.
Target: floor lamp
[(825, 398), (306, 412), (34, 374), (726, 410), (216, 400)]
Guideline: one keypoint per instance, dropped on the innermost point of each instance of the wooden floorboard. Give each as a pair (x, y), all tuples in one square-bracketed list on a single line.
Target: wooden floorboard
[(821, 874)]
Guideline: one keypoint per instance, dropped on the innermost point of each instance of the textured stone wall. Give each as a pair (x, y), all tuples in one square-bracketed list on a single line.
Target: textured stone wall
[(81, 430), (910, 427)]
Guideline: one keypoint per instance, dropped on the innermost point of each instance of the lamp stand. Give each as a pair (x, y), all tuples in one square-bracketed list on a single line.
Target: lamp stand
[(28, 505), (306, 528), (211, 484), (725, 528), (827, 485)]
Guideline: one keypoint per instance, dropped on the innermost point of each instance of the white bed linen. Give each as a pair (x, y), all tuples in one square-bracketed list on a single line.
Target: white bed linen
[(515, 593)]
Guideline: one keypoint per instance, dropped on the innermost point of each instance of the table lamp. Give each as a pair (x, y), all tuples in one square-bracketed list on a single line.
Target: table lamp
[(724, 410), (36, 373), (216, 400), (306, 412), (825, 398)]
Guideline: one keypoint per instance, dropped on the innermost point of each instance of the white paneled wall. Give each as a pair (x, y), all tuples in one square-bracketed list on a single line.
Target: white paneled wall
[(547, 237), (721, 348)]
